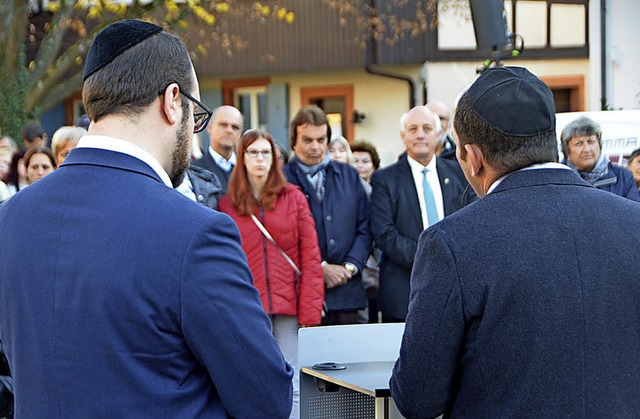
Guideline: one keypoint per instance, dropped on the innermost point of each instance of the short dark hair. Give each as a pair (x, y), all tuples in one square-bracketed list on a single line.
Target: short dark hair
[(133, 80), (32, 130), (367, 147), (579, 127), (310, 114), (504, 153), (634, 154)]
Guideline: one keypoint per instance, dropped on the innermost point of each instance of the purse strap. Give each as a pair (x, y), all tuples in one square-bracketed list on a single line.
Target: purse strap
[(268, 236)]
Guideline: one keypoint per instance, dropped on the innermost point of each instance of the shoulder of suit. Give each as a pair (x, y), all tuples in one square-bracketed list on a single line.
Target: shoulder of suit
[(392, 168), (449, 164)]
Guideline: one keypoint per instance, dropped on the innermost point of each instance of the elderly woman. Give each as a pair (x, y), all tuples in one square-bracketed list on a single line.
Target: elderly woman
[(365, 159), (582, 147), (339, 149), (65, 139), (634, 166), (277, 232)]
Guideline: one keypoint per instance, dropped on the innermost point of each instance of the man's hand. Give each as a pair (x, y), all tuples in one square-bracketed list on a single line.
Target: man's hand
[(335, 275)]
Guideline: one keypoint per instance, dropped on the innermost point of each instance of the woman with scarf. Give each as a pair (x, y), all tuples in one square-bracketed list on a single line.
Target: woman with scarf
[(280, 240), (582, 147)]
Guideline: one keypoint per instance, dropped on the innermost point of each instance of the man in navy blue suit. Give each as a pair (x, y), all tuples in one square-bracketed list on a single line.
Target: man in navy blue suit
[(525, 303), (399, 207), (133, 301)]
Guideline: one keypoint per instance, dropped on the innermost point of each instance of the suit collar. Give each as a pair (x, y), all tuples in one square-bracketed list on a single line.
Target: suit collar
[(106, 158), (539, 177), (104, 142)]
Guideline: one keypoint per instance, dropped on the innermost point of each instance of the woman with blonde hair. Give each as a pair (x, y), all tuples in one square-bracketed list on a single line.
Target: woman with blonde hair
[(65, 139), (339, 149)]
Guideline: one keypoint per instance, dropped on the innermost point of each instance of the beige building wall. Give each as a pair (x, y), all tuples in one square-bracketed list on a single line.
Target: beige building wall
[(447, 79)]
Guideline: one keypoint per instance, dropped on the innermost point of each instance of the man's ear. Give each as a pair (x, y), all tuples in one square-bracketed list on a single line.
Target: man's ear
[(171, 104), (475, 158)]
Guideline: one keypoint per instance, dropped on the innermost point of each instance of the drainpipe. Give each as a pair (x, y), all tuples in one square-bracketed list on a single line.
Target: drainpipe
[(603, 55), (371, 57)]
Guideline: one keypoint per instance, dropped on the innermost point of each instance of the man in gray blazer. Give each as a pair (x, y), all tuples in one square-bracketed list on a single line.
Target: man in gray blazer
[(399, 207), (525, 303)]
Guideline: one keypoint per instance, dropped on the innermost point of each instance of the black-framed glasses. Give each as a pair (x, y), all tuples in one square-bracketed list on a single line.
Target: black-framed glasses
[(201, 114)]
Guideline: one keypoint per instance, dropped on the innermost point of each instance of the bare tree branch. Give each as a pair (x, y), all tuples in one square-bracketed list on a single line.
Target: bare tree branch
[(15, 20), (50, 44), (60, 92)]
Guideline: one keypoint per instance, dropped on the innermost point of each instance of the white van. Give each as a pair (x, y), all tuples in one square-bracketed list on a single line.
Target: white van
[(620, 131)]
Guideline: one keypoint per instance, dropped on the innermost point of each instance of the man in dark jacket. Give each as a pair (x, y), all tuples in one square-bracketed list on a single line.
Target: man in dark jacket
[(340, 208), (135, 302), (524, 303), (399, 210), (224, 133)]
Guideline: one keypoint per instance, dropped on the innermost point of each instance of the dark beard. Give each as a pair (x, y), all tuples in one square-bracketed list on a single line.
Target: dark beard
[(181, 156)]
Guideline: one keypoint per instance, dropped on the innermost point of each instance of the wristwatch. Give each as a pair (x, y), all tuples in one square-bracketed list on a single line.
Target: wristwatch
[(353, 269)]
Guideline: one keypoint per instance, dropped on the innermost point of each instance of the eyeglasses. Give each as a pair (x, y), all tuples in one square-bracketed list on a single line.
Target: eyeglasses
[(201, 114), (254, 153)]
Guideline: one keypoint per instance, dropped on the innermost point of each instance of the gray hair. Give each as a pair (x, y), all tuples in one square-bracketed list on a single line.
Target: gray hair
[(436, 120), (579, 127)]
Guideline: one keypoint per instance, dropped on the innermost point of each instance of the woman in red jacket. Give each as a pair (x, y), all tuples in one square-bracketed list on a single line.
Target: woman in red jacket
[(257, 187)]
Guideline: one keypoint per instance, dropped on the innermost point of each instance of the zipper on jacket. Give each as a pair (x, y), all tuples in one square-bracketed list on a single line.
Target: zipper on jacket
[(266, 264)]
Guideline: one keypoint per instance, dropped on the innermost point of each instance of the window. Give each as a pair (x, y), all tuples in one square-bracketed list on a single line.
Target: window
[(336, 102), (252, 103)]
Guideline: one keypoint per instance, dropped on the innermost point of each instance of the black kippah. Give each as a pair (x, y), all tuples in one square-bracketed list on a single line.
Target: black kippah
[(116, 39), (513, 101)]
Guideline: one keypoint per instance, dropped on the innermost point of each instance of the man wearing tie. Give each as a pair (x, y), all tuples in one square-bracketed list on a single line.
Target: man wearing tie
[(224, 132), (408, 196)]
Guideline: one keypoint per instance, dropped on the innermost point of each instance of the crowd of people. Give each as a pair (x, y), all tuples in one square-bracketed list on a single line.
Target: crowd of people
[(321, 234)]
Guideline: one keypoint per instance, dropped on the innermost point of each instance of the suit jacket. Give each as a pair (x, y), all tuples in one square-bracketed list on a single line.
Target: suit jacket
[(526, 303), (119, 297), (207, 162), (396, 223)]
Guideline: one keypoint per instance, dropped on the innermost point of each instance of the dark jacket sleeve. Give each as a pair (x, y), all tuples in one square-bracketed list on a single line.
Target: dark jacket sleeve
[(219, 303), (401, 249), (629, 187), (423, 379), (362, 243)]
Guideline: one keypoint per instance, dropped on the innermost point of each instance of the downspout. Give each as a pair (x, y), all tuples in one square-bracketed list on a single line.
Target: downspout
[(603, 55), (371, 57)]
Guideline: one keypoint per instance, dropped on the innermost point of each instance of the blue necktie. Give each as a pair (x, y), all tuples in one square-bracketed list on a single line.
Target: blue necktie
[(429, 200)]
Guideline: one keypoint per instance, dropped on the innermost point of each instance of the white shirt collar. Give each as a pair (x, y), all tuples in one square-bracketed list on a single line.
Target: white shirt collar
[(223, 163), (549, 165), (416, 166), (105, 142)]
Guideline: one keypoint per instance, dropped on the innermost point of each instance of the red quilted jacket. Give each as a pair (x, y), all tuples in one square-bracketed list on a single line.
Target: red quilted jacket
[(291, 225)]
